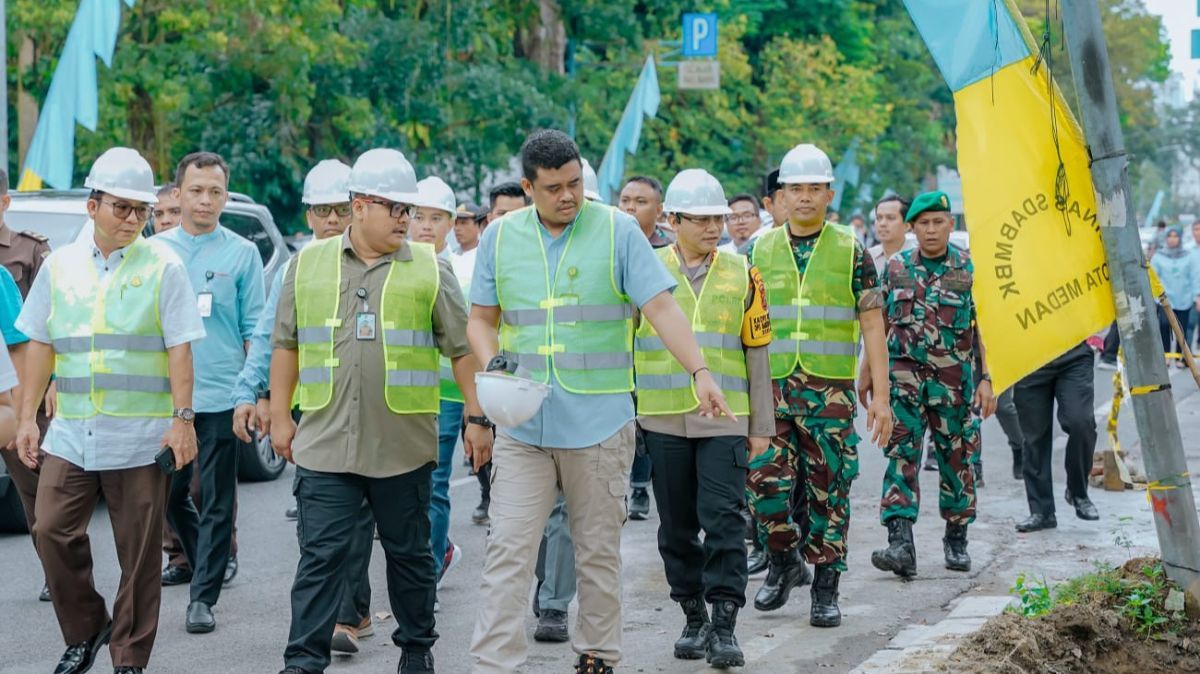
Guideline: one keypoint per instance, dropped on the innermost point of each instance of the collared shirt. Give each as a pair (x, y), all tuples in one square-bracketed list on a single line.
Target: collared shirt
[(10, 308), (257, 368), (761, 422), (464, 266), (229, 268), (106, 442), (22, 255), (8, 373), (661, 238), (356, 432), (880, 258), (572, 420)]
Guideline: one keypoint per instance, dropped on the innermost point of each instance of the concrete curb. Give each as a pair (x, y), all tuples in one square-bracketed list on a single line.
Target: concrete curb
[(918, 649)]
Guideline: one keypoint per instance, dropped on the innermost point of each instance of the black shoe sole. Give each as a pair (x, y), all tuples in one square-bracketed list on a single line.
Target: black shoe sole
[(882, 564), (551, 636), (194, 628), (726, 663), (690, 655), (825, 622), (958, 567), (1029, 530)]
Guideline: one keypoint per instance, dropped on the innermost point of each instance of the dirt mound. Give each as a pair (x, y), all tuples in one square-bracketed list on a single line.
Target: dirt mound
[(1092, 634)]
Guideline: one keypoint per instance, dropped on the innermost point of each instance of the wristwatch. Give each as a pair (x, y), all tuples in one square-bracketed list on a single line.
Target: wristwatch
[(481, 421), (264, 394), (185, 414)]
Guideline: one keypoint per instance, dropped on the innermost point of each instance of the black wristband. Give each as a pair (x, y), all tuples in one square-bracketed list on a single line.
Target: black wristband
[(264, 395), (698, 371), (481, 421)]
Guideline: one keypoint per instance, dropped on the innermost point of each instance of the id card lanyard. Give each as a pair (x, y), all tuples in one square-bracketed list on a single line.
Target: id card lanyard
[(364, 320), (204, 300)]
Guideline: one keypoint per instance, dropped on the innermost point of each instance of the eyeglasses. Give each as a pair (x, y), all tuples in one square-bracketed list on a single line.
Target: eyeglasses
[(704, 220), (397, 210), (743, 217), (122, 210), (323, 210)]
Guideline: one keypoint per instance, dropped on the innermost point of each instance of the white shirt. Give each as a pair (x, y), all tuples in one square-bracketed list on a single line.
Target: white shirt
[(463, 265), (106, 442), (8, 373), (881, 260)]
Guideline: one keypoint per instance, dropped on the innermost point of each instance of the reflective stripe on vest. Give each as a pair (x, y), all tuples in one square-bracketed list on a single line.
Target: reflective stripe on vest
[(405, 327), (578, 317), (814, 318), (663, 386), (109, 354)]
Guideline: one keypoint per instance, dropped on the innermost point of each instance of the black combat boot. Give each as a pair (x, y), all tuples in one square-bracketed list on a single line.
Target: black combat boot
[(825, 611), (900, 556), (693, 643), (723, 649), (955, 546), (786, 571), (756, 559)]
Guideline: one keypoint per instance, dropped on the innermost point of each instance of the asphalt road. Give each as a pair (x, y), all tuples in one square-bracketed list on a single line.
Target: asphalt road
[(253, 613)]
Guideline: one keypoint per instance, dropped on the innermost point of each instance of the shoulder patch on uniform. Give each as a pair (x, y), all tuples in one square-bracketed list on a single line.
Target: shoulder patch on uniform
[(34, 235)]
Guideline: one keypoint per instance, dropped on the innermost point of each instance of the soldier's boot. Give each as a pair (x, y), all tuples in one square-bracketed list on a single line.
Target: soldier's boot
[(785, 571), (693, 643), (955, 546), (825, 611), (977, 468), (756, 559), (723, 649), (900, 556)]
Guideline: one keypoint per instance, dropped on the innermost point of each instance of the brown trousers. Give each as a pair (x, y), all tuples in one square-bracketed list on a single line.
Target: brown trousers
[(136, 498), (24, 479), (170, 540)]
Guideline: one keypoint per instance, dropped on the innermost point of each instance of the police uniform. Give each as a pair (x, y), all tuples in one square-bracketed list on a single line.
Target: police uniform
[(932, 349)]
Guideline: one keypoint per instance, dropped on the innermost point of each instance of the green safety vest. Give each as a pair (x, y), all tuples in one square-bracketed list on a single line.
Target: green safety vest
[(449, 390), (814, 319), (405, 324), (109, 354), (663, 386), (578, 317)]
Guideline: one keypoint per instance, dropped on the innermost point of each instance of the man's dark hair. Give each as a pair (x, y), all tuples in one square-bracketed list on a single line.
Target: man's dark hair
[(905, 204), (746, 196), (509, 189), (771, 184), (648, 181), (547, 149), (166, 189), (201, 160)]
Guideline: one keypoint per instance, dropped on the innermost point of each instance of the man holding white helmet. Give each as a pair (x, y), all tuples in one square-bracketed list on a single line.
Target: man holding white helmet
[(695, 485), (822, 290), (124, 302), (362, 319), (226, 271), (557, 307)]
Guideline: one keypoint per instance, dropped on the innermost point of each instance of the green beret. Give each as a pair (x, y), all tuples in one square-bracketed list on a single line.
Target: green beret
[(937, 202)]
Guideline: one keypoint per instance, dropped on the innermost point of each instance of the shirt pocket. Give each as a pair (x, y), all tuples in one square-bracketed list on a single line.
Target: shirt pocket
[(900, 306), (954, 310), (224, 290)]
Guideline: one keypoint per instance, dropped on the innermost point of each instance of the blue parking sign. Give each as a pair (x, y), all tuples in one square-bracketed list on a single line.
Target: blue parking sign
[(699, 34)]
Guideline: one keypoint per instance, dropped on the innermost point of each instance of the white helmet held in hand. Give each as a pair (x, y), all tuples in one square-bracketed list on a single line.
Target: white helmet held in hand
[(433, 192), (695, 192), (385, 173), (327, 183), (805, 164), (509, 401), (591, 184), (123, 173)]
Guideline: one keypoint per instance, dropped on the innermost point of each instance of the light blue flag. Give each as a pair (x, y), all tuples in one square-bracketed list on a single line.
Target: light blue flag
[(643, 103), (74, 93)]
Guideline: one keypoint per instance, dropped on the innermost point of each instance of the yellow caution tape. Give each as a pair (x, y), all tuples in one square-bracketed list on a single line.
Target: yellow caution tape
[(1176, 482), (1143, 390)]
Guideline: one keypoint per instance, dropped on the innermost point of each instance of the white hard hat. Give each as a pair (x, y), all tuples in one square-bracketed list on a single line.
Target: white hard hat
[(124, 173), (805, 164), (327, 183), (384, 172), (591, 185), (507, 400), (433, 192), (696, 192)]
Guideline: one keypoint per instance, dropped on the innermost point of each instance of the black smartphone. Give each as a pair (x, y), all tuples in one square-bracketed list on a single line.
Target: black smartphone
[(166, 460)]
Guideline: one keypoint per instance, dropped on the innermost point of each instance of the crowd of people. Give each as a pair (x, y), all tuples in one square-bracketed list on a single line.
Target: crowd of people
[(692, 349)]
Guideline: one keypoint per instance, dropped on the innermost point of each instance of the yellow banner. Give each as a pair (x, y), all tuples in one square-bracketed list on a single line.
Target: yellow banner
[(1041, 282)]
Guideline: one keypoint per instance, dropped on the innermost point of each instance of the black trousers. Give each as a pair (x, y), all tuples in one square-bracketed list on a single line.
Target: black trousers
[(356, 597), (330, 511), (205, 535), (700, 484), (1067, 381)]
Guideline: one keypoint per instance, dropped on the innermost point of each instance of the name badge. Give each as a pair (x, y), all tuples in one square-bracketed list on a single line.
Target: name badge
[(204, 302), (364, 326)]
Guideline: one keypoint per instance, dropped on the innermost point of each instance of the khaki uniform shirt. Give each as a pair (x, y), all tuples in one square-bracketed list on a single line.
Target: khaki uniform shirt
[(22, 254), (758, 368), (356, 432)]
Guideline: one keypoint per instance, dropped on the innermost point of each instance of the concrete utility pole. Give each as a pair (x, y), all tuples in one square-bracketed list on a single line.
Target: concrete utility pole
[(4, 89), (1170, 489)]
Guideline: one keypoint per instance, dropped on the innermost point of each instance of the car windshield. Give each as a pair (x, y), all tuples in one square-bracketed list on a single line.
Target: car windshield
[(60, 228)]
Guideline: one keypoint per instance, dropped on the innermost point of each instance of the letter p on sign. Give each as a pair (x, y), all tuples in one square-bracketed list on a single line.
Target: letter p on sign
[(699, 34)]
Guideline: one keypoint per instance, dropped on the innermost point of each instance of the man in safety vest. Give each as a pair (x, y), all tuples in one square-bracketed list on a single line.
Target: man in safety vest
[(695, 487), (821, 288), (119, 344), (933, 347), (554, 293), (361, 321)]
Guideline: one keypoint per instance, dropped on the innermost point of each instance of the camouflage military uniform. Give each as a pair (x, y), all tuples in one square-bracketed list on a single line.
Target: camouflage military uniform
[(931, 347), (815, 441)]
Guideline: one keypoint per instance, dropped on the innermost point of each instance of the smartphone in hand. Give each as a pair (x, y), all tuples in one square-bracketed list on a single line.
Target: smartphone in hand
[(166, 460)]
